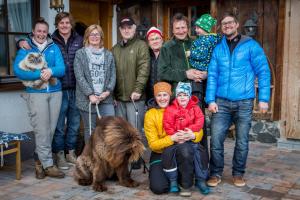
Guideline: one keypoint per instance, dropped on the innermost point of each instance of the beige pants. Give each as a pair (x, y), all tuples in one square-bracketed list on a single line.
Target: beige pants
[(43, 113)]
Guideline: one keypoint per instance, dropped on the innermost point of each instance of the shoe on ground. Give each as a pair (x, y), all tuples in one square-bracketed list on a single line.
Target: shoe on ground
[(61, 160), (185, 192), (174, 187), (54, 172), (71, 157), (213, 181), (39, 171), (238, 181), (201, 185)]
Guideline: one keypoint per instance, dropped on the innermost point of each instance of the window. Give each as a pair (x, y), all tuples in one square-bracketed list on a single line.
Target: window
[(16, 17)]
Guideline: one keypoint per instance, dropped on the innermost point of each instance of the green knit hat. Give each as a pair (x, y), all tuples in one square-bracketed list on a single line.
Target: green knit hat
[(206, 22)]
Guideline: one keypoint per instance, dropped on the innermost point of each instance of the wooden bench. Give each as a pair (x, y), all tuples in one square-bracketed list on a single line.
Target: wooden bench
[(13, 147)]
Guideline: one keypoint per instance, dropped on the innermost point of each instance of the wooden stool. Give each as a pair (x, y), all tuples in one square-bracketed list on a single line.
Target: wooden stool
[(15, 149)]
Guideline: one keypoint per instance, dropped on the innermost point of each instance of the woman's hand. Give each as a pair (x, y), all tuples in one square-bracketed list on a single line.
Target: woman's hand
[(94, 99), (103, 95), (178, 137), (46, 74), (188, 134)]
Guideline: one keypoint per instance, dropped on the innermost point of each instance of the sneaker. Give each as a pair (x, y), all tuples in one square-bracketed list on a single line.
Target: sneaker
[(54, 172), (71, 157), (238, 181), (185, 192), (61, 160), (174, 187), (201, 185), (39, 171), (214, 181)]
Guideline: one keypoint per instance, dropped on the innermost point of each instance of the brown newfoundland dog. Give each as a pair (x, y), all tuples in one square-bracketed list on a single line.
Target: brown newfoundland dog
[(111, 148)]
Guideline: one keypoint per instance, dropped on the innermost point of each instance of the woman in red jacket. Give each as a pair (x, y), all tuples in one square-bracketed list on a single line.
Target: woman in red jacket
[(185, 116)]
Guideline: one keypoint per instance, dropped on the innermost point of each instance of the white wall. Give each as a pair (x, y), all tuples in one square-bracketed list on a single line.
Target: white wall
[(49, 14), (13, 113)]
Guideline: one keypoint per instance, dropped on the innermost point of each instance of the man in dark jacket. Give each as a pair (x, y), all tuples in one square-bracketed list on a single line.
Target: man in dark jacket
[(68, 42), (236, 61)]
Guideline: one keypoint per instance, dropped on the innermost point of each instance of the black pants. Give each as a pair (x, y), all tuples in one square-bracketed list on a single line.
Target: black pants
[(159, 183), (200, 160), (198, 89)]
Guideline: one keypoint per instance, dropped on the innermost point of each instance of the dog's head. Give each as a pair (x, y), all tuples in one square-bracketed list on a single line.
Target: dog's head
[(34, 61), (122, 142)]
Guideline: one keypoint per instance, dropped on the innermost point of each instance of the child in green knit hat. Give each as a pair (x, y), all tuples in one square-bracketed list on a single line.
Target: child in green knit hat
[(201, 51)]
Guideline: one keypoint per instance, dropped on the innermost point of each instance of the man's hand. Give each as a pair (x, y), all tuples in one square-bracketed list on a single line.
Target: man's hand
[(46, 74), (135, 96), (213, 107), (203, 75), (193, 74), (263, 107), (24, 45)]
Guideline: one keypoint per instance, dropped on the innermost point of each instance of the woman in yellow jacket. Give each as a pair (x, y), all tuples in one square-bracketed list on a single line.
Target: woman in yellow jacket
[(158, 140)]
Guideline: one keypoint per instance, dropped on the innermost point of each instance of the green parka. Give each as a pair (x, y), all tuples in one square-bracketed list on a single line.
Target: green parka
[(132, 68), (172, 62)]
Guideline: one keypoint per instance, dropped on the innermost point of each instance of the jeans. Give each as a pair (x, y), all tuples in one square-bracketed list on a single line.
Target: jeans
[(69, 117), (239, 112), (105, 109)]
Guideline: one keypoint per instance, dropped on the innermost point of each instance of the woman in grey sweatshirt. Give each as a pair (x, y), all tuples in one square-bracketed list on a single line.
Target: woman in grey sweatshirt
[(95, 74)]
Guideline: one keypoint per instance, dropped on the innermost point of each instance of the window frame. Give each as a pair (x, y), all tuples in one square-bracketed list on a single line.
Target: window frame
[(10, 82)]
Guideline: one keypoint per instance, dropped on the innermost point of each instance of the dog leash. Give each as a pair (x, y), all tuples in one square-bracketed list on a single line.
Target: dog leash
[(90, 115)]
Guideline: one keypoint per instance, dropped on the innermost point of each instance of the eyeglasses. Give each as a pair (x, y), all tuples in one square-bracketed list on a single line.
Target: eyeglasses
[(154, 39), (227, 23), (95, 35)]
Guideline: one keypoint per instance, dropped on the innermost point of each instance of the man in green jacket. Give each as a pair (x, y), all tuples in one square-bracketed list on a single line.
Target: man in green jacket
[(132, 71), (173, 64)]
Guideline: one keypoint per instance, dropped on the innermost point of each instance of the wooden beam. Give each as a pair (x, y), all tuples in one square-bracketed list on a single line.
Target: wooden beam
[(279, 60)]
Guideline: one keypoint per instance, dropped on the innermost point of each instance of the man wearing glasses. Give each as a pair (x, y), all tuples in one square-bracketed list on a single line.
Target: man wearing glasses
[(236, 62)]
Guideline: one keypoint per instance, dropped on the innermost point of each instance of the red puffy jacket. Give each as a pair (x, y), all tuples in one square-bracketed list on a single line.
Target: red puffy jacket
[(178, 118)]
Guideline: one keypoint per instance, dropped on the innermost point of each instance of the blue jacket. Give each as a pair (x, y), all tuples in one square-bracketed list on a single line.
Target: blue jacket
[(232, 76), (54, 61)]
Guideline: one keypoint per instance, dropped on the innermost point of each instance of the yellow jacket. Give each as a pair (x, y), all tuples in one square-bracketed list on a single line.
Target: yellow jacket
[(156, 135)]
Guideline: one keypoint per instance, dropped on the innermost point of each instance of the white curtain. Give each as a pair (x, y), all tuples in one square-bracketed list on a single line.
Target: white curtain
[(19, 15)]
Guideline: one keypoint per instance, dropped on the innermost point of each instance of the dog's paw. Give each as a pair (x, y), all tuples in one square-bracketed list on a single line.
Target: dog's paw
[(129, 183), (99, 187), (84, 182)]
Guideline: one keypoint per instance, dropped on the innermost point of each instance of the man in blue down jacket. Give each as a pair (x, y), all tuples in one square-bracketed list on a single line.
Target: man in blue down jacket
[(235, 64)]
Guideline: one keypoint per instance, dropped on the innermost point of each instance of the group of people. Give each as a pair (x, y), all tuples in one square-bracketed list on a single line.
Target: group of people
[(218, 70)]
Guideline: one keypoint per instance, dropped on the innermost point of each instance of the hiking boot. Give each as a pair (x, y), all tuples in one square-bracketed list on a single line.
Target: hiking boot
[(39, 171), (71, 157), (185, 192), (174, 187), (238, 181), (61, 160), (201, 185), (54, 172), (214, 181)]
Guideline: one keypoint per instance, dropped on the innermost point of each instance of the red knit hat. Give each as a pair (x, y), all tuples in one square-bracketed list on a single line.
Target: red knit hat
[(153, 29)]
